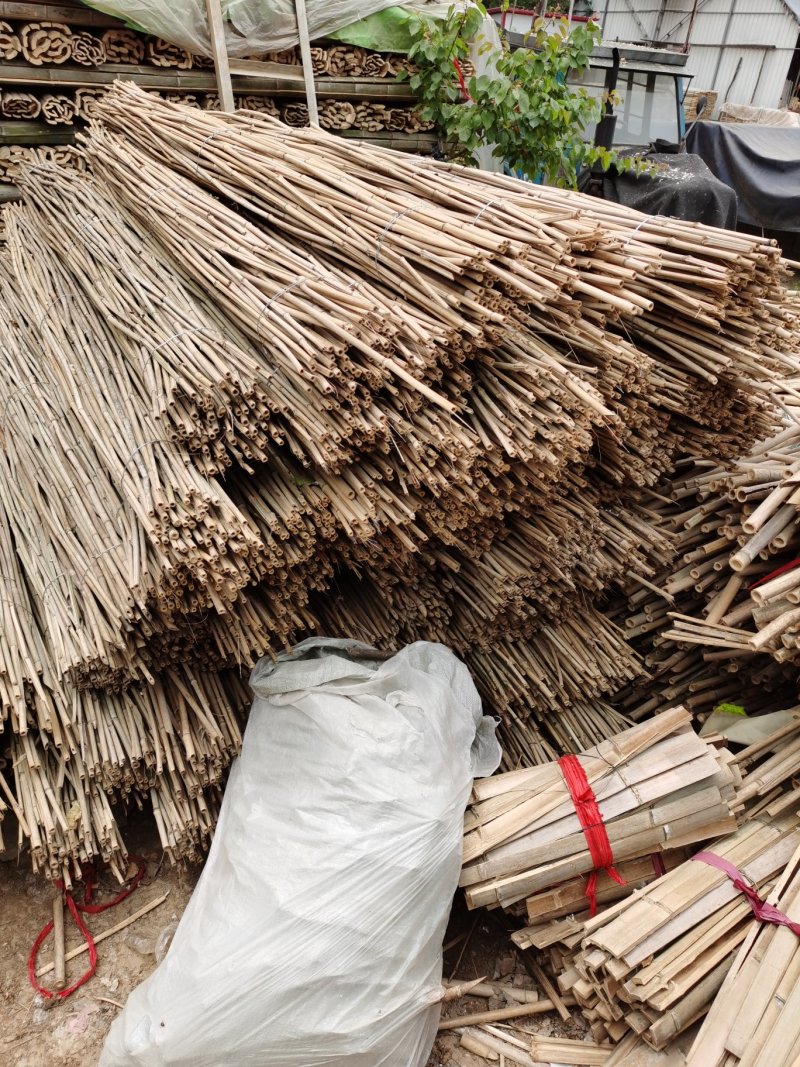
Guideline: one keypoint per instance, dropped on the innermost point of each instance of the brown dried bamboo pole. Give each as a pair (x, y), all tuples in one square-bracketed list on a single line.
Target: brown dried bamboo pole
[(59, 963), (104, 934), (541, 1007)]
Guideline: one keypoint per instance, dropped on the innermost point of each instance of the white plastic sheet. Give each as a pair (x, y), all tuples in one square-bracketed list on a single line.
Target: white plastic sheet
[(253, 26), (314, 935)]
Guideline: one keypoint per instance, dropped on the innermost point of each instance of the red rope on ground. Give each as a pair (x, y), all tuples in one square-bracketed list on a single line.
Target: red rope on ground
[(764, 912), (89, 873), (594, 829)]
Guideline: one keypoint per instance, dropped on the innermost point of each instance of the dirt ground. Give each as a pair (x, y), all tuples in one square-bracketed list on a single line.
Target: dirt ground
[(70, 1033)]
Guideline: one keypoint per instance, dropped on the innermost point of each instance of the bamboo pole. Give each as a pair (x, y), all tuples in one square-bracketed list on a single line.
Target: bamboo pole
[(59, 963)]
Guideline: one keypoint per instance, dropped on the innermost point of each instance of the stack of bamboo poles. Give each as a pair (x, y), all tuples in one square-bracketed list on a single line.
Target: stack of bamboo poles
[(755, 1021), (658, 786), (71, 751), (262, 382)]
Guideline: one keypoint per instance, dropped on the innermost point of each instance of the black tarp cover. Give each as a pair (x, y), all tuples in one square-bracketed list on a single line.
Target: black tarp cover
[(687, 190), (761, 163)]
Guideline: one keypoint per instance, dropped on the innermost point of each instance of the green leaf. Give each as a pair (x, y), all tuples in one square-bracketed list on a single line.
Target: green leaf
[(730, 709)]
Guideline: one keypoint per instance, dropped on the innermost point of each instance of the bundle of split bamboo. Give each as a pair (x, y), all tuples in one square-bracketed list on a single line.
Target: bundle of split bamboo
[(10, 44), (45, 42), (14, 157), (123, 46), (654, 962), (431, 394), (658, 785), (755, 1021)]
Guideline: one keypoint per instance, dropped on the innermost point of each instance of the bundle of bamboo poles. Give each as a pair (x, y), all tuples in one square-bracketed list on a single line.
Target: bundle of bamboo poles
[(71, 751), (654, 962), (754, 1020), (285, 384), (658, 785)]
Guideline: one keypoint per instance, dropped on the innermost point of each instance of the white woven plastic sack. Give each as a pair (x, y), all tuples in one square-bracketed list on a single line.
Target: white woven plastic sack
[(313, 938)]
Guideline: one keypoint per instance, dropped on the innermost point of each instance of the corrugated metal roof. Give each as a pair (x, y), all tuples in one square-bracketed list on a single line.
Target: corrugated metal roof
[(794, 7)]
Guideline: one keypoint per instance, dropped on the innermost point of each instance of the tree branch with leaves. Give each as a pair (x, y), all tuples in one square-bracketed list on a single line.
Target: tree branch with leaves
[(526, 109)]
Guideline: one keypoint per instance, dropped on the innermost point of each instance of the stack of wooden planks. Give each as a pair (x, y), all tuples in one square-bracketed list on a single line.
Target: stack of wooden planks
[(262, 382)]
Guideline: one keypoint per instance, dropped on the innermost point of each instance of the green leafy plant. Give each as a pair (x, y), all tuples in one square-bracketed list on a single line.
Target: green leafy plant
[(526, 110)]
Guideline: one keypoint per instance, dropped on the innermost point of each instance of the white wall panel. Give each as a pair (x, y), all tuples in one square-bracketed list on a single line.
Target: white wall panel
[(761, 76)]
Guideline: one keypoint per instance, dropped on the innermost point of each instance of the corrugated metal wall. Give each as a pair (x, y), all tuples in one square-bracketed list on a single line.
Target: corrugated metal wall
[(745, 44)]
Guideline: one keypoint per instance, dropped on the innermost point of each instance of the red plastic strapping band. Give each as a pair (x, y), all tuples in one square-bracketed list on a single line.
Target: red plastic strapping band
[(88, 872), (775, 574), (594, 829), (658, 864), (764, 912), (462, 81)]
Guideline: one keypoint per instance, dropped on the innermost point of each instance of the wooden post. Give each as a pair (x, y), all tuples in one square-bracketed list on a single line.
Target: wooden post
[(305, 54), (219, 51)]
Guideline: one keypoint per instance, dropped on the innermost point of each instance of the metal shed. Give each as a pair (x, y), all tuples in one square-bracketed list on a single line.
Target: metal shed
[(745, 50)]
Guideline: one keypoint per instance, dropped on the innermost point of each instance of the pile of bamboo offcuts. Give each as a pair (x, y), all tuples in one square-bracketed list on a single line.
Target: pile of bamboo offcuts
[(262, 382), (721, 624)]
